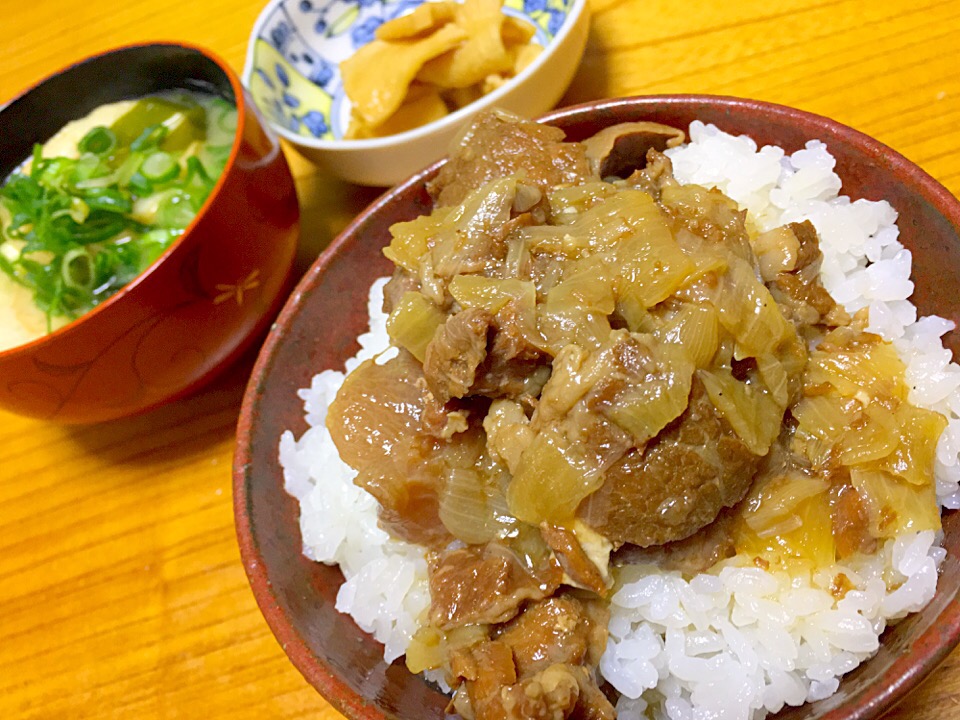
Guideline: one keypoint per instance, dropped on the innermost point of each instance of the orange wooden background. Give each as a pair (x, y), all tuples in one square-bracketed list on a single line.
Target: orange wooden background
[(121, 589)]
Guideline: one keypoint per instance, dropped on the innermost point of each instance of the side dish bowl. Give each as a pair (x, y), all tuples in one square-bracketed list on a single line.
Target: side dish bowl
[(292, 71), (205, 299), (317, 330)]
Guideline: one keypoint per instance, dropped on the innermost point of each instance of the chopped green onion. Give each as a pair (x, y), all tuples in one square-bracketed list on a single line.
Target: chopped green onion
[(108, 200), (151, 137), (76, 224), (36, 160), (98, 182), (79, 210), (140, 185), (98, 141), (153, 243), (77, 269), (195, 169), (175, 210), (98, 227), (128, 168), (160, 167)]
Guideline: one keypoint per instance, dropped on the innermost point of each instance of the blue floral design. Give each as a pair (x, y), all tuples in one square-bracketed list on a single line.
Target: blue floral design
[(364, 32), (266, 78), (555, 22), (322, 73), (281, 75), (315, 122), (280, 36), (306, 5), (290, 101), (534, 6), (320, 27)]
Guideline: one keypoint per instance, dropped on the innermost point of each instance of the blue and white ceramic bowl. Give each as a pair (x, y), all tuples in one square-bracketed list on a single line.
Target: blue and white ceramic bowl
[(292, 72)]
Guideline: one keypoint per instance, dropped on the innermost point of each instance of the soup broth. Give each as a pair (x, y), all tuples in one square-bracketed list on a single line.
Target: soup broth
[(100, 201)]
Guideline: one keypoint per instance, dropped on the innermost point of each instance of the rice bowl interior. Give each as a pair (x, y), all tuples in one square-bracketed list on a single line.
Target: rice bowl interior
[(642, 604)]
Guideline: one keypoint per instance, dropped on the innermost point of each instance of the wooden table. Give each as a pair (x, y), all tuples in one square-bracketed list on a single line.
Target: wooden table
[(121, 589)]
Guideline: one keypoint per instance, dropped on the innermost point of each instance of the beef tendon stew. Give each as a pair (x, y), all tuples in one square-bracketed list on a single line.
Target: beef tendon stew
[(598, 370)]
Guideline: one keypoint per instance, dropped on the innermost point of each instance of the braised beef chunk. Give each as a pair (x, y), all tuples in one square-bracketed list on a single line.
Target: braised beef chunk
[(387, 425), (485, 669), (619, 150), (456, 351), (566, 628), (796, 285), (550, 693), (706, 215), (541, 664), (401, 282), (675, 485), (692, 555), (513, 367), (573, 559), (485, 584), (524, 148), (655, 175), (477, 354)]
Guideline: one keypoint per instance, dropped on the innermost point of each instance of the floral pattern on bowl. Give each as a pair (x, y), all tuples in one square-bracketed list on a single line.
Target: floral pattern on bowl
[(292, 68)]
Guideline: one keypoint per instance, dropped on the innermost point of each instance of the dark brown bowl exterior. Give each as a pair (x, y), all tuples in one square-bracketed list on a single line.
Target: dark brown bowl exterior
[(210, 295), (316, 330)]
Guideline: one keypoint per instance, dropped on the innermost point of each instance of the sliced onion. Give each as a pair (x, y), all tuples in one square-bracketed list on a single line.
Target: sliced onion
[(466, 509), (549, 484), (896, 506), (749, 409)]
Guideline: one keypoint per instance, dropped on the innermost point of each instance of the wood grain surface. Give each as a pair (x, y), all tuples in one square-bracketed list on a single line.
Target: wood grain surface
[(121, 589)]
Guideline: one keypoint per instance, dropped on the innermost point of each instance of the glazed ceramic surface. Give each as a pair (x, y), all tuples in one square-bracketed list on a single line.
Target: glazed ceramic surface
[(293, 74), (317, 331), (204, 300)]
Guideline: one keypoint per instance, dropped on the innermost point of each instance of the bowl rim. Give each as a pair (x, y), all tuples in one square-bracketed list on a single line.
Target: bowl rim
[(240, 103), (577, 10), (330, 686), (909, 668)]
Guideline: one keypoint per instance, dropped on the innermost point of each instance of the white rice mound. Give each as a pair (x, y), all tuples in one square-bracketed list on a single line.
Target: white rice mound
[(737, 642)]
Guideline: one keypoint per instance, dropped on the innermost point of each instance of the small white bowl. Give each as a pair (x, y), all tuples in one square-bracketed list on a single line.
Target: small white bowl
[(292, 73)]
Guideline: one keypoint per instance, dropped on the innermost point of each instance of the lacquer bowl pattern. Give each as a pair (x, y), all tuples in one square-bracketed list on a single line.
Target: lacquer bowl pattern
[(202, 303), (317, 330)]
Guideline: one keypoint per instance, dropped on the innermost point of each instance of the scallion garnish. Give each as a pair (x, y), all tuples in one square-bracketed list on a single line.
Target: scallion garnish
[(98, 141), (79, 229), (77, 269), (160, 167)]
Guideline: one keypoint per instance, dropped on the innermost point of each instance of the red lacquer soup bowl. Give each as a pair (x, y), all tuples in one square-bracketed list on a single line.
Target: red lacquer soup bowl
[(317, 330), (202, 303)]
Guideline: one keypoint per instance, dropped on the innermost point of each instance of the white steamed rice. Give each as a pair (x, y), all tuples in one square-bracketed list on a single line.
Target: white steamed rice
[(741, 642)]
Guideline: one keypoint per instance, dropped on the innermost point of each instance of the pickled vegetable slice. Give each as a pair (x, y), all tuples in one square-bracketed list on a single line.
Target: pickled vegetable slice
[(376, 95)]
